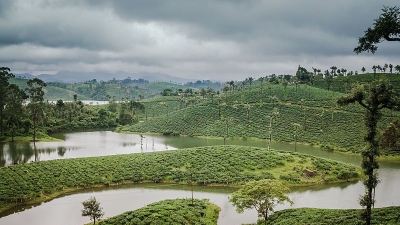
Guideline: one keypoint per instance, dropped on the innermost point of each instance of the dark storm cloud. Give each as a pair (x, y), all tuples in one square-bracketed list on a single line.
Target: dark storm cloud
[(188, 38), (282, 20)]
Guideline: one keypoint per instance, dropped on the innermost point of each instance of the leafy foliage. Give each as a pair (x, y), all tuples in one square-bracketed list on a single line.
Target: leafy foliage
[(92, 209), (218, 165), (390, 138), (171, 211), (262, 195), (385, 27)]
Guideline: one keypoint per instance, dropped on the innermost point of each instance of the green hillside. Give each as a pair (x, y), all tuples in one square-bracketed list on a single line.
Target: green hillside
[(311, 216), (52, 93), (343, 83), (171, 211), (244, 114), (102, 91)]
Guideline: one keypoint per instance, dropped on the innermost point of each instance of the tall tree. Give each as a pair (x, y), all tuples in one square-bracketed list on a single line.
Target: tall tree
[(373, 97), (5, 75), (250, 81), (35, 105), (274, 114), (261, 79), (385, 27), (363, 69), (391, 68), (14, 108)]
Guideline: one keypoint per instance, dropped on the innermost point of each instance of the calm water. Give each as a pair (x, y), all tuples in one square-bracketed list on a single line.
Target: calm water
[(66, 210), (100, 143)]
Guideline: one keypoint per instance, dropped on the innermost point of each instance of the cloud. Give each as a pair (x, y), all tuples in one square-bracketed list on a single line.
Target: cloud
[(208, 39)]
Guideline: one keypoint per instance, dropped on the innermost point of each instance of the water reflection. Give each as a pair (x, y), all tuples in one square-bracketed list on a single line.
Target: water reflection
[(116, 200), (124, 198), (80, 144)]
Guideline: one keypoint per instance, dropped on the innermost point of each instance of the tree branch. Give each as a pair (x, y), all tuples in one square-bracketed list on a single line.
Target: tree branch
[(388, 38), (362, 104)]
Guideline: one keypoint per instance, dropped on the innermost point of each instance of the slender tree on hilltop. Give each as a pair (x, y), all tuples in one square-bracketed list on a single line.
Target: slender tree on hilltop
[(397, 68), (391, 68), (250, 81), (261, 79), (363, 69)]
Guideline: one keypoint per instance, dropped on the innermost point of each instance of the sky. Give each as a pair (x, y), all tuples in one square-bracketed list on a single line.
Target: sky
[(204, 39)]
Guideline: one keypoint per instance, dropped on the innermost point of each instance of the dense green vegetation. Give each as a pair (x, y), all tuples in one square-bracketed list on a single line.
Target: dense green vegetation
[(24, 111), (244, 114), (312, 216), (344, 83), (172, 211), (136, 89), (213, 165)]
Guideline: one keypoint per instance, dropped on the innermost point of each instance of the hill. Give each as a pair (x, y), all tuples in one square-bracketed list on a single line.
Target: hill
[(171, 211), (343, 83), (78, 77), (118, 89), (306, 114), (211, 165)]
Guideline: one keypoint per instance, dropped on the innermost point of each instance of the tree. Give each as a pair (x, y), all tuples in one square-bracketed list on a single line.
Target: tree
[(285, 84), (333, 68), (385, 27), (296, 127), (363, 69), (385, 67), (373, 97), (391, 68), (261, 79), (14, 103), (203, 92), (5, 75), (274, 114), (397, 68), (250, 81), (262, 195), (91, 208), (35, 105)]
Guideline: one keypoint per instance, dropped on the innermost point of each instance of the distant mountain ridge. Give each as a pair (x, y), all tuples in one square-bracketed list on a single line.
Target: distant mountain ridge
[(77, 77)]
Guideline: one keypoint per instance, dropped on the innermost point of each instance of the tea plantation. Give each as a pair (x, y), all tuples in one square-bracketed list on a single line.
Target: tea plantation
[(245, 114), (171, 211), (311, 216), (213, 165)]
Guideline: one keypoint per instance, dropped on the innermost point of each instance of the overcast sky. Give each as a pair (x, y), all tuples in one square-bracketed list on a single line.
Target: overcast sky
[(204, 39)]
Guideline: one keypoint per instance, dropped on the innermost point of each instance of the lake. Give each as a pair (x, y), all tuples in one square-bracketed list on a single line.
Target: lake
[(115, 200)]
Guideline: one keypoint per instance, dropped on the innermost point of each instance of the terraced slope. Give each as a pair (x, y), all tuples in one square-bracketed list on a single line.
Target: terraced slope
[(246, 114)]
